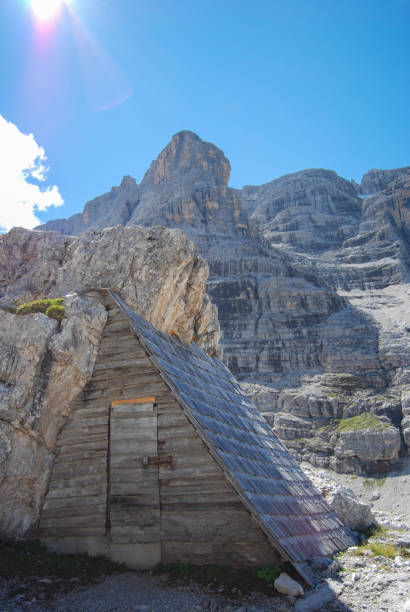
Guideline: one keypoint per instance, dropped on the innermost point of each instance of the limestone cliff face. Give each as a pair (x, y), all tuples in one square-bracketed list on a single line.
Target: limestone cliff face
[(312, 210), (44, 364), (310, 276), (375, 181)]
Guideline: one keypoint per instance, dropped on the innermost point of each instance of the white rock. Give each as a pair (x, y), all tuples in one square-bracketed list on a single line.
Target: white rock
[(286, 585), (354, 513)]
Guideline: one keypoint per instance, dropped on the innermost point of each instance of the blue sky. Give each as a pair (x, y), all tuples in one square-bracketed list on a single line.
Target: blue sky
[(278, 85)]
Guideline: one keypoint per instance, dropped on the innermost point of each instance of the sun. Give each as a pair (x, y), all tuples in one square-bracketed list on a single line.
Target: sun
[(46, 9)]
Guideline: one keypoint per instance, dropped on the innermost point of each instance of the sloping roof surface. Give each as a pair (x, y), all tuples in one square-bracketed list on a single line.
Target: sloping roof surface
[(292, 513)]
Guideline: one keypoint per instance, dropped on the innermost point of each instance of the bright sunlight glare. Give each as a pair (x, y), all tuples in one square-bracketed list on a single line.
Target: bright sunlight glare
[(46, 9)]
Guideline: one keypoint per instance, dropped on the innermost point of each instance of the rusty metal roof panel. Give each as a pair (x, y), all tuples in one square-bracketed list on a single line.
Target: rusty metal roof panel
[(293, 514)]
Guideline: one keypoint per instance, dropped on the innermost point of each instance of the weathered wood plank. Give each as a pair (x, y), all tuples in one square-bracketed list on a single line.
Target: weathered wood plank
[(120, 450), (237, 554), (89, 410), (74, 502), (134, 501), (195, 491), (172, 411), (129, 410), (87, 423), (133, 415), (171, 479), (211, 506), (198, 498), (176, 431), (122, 436), (222, 525), (111, 363), (121, 325), (76, 481), (148, 475), (88, 433), (68, 492), (81, 454), (129, 377), (63, 462), (187, 468), (149, 517), (69, 437), (183, 444), (114, 356), (123, 343), (119, 388), (136, 422), (74, 511), (77, 532), (119, 335), (92, 520), (135, 461), (147, 490), (66, 448), (172, 419), (116, 387), (78, 470)]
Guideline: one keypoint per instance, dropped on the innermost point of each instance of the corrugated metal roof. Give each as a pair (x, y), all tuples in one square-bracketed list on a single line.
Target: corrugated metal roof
[(290, 510)]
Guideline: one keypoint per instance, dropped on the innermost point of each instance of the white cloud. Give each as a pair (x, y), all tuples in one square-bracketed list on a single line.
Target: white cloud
[(22, 160)]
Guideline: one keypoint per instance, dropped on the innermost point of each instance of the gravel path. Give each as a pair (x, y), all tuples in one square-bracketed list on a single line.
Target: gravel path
[(141, 592)]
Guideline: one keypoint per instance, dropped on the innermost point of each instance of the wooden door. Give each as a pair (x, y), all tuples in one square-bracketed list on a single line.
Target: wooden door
[(133, 480)]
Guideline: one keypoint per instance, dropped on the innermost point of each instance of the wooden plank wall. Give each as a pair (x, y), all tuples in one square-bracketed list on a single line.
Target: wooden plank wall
[(202, 519)]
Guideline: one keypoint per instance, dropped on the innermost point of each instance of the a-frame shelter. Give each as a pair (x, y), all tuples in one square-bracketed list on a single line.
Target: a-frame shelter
[(163, 458)]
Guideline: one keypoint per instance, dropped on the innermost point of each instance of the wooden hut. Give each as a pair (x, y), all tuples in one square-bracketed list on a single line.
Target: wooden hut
[(163, 458)]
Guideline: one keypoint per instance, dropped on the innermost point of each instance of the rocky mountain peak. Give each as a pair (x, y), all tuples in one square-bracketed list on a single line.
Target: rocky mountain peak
[(190, 158), (128, 182)]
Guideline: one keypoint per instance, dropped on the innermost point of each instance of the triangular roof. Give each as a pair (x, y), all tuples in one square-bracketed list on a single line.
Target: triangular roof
[(279, 495)]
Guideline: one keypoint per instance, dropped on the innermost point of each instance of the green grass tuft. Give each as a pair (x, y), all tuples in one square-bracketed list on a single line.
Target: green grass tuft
[(56, 311), (269, 573), (52, 307), (364, 421), (389, 551), (370, 483), (372, 531)]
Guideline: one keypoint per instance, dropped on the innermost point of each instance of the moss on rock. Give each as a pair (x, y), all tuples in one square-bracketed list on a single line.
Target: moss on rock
[(52, 307), (363, 421)]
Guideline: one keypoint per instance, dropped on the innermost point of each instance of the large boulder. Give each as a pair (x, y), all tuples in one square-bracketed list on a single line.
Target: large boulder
[(353, 512), (368, 444)]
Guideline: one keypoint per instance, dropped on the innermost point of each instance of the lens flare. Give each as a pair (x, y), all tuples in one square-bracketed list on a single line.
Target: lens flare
[(46, 9)]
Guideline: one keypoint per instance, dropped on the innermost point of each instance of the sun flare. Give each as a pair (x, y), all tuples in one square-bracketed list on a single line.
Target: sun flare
[(46, 9)]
